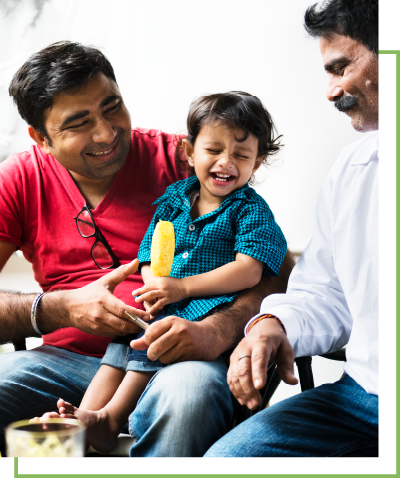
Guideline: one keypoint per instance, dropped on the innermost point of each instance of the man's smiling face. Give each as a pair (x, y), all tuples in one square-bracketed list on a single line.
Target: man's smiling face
[(353, 80), (89, 129)]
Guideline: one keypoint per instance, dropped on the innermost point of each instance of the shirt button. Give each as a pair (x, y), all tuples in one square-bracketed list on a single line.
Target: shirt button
[(192, 227), (185, 255)]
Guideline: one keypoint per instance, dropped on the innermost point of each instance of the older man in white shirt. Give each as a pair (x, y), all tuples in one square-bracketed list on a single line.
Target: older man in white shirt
[(332, 297)]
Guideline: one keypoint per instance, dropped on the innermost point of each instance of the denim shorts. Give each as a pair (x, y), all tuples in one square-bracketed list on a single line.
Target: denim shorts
[(121, 356)]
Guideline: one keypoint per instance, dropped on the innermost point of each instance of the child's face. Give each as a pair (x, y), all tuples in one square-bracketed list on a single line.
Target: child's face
[(221, 163)]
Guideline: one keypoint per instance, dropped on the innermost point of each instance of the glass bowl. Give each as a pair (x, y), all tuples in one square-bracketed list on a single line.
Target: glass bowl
[(50, 438)]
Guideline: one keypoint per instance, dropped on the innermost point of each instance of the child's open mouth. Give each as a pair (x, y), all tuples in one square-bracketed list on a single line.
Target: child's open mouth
[(222, 178)]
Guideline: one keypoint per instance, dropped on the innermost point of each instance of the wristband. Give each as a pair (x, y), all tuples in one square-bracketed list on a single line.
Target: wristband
[(264, 316), (33, 313)]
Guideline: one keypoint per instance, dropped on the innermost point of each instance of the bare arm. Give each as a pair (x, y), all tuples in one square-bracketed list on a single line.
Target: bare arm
[(92, 309), (243, 273), (14, 307), (174, 339)]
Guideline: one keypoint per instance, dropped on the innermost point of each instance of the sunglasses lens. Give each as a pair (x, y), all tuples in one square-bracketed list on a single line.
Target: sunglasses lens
[(101, 256), (85, 224)]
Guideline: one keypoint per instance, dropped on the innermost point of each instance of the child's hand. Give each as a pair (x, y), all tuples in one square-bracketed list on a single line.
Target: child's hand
[(147, 306), (161, 291)]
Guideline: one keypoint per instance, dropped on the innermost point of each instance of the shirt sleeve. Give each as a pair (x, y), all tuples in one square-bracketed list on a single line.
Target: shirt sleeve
[(11, 203), (314, 309), (259, 236)]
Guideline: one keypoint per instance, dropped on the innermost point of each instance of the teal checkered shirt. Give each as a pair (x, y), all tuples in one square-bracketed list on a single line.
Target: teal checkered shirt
[(243, 224)]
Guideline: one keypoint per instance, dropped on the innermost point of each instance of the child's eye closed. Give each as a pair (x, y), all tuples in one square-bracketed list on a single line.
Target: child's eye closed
[(215, 152)]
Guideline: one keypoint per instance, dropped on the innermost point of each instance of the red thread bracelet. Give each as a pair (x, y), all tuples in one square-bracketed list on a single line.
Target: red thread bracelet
[(264, 316)]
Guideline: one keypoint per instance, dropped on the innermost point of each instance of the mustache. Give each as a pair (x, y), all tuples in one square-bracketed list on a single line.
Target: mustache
[(102, 146), (343, 103)]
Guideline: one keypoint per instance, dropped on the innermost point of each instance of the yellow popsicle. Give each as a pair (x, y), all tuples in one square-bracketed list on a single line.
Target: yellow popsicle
[(162, 249)]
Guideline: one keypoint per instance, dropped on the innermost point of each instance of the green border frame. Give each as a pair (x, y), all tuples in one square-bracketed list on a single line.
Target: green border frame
[(396, 475)]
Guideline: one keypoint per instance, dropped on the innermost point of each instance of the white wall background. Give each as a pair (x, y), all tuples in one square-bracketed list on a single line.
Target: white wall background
[(165, 53)]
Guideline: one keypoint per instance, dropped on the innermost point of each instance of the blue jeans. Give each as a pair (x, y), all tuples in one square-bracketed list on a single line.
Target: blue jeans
[(120, 355), (332, 420), (185, 408)]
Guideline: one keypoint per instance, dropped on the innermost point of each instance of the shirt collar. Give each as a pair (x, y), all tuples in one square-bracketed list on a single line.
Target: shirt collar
[(367, 150), (178, 194)]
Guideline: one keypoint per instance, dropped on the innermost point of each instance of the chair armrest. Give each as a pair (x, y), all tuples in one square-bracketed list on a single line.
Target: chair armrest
[(305, 372), (339, 355), (20, 345)]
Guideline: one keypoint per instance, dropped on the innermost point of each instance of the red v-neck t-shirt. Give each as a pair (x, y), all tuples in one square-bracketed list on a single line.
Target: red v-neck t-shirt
[(38, 202)]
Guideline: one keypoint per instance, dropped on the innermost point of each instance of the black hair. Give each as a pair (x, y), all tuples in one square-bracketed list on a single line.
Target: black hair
[(357, 19), (57, 68), (237, 110)]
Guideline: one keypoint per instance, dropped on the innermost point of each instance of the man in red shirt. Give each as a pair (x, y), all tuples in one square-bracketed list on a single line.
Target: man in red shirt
[(77, 205)]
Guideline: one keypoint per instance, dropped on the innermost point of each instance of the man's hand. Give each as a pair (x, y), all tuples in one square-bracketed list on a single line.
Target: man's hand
[(174, 339), (95, 310), (161, 291), (247, 372)]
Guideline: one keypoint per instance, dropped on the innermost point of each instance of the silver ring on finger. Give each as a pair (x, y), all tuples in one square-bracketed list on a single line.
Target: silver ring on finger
[(242, 357)]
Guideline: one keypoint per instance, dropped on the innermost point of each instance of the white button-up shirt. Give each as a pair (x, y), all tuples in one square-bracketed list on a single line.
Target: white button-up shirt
[(332, 297)]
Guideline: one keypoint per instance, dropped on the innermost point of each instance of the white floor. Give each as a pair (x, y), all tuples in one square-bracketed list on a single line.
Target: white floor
[(17, 275)]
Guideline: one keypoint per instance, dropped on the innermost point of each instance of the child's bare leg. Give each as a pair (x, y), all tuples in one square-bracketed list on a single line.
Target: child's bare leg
[(99, 393), (104, 425), (102, 388)]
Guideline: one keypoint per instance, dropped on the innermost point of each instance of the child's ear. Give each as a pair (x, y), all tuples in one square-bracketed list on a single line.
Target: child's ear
[(188, 149), (39, 138), (258, 163)]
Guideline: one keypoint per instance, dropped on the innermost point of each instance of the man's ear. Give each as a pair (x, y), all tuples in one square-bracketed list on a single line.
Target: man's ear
[(188, 149), (39, 138)]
